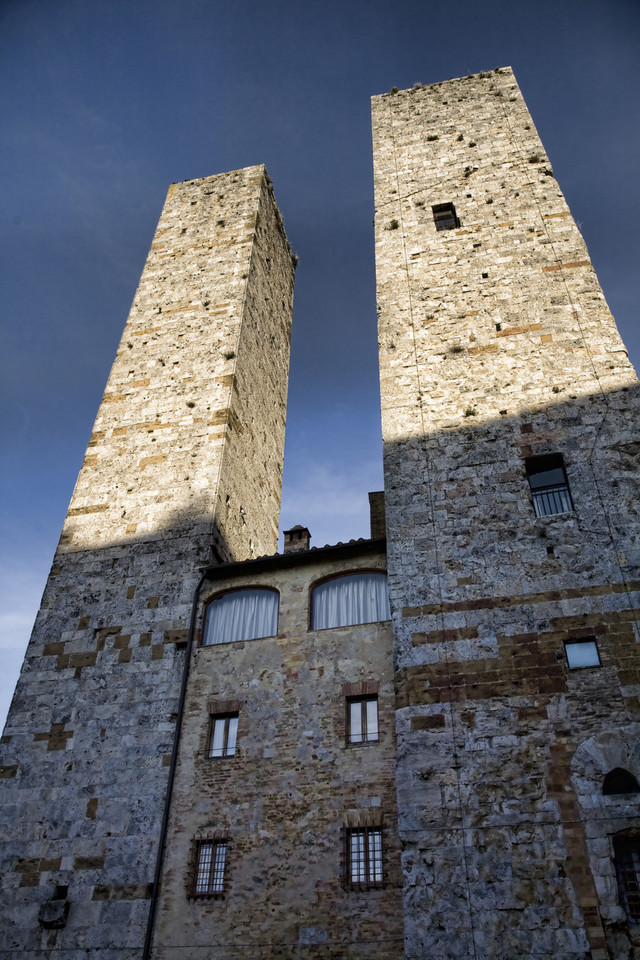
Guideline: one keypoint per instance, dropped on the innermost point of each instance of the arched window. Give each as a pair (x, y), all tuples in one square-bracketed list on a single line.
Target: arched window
[(354, 598), (241, 615), (620, 781)]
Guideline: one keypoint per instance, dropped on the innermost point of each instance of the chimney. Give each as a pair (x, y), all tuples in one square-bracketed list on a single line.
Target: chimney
[(297, 539), (376, 509)]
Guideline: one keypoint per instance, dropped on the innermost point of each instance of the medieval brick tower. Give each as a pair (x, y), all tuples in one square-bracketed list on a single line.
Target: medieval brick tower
[(510, 423), (184, 466), (461, 785)]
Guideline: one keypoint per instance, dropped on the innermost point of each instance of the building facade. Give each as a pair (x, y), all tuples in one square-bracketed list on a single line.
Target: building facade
[(287, 769), (510, 425), (184, 465), (215, 750)]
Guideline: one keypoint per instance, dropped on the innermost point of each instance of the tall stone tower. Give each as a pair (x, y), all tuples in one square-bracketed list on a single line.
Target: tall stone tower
[(511, 442), (183, 468)]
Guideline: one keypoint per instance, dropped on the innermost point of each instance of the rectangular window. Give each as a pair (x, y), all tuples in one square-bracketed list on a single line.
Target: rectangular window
[(627, 862), (582, 653), (364, 857), (208, 879), (549, 485), (444, 216), (224, 732), (362, 719)]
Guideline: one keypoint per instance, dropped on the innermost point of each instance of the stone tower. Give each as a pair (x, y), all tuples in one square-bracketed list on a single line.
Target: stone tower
[(183, 468), (511, 442)]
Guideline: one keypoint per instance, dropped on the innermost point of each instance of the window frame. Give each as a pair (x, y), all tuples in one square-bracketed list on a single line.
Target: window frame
[(574, 641), (371, 861), (216, 877), (214, 718), (626, 847), (539, 465), (223, 593), (337, 576), (363, 699)]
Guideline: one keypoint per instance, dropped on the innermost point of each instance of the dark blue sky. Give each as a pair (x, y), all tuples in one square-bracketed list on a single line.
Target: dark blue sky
[(106, 102)]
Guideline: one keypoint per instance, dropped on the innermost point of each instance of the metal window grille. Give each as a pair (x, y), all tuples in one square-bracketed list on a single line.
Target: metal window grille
[(444, 216), (224, 732), (627, 861), (549, 486), (364, 857), (362, 720), (550, 500), (211, 857)]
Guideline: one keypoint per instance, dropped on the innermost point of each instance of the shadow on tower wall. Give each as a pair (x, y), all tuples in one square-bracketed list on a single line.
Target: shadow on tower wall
[(506, 834)]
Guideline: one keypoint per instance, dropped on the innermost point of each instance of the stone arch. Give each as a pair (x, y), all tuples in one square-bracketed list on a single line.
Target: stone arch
[(598, 755)]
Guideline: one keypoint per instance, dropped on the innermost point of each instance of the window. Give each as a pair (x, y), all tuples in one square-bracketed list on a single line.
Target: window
[(355, 598), (364, 857), (224, 732), (444, 216), (619, 781), (241, 615), (208, 874), (626, 853), (362, 719), (582, 653), (549, 486)]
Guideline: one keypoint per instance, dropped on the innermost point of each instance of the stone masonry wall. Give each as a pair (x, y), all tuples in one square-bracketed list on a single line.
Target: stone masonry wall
[(87, 744), (282, 801), (496, 345)]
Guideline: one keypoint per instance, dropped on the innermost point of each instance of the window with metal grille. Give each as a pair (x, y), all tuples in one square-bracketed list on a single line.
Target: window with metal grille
[(444, 216), (626, 851), (364, 857), (362, 719), (208, 874), (549, 485), (224, 732), (619, 781)]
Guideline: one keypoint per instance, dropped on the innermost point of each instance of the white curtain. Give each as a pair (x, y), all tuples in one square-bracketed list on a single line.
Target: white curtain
[(356, 598), (241, 615)]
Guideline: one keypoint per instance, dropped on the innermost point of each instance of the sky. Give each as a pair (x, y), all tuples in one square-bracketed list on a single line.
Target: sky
[(104, 103)]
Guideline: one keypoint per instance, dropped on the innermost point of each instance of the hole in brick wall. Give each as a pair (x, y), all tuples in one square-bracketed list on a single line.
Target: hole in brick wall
[(444, 216), (485, 276)]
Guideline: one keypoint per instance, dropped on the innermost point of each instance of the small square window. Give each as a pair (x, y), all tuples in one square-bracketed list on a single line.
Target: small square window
[(582, 653), (224, 733), (209, 865), (364, 857), (362, 719), (444, 216), (549, 485)]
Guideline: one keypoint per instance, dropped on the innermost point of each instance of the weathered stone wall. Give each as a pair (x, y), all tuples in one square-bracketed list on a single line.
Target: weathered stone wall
[(496, 344), (166, 478), (293, 784)]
